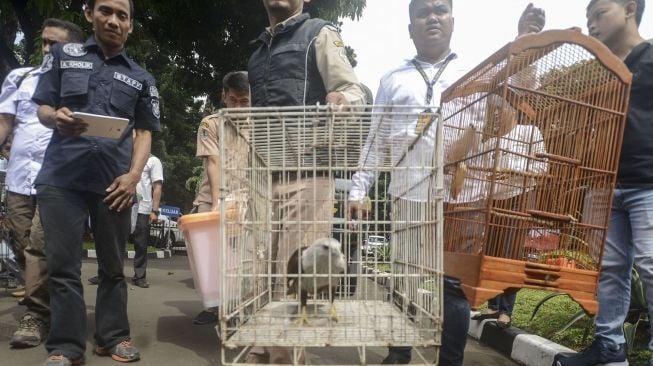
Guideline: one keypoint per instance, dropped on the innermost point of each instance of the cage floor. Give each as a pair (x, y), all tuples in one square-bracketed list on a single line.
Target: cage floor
[(359, 323)]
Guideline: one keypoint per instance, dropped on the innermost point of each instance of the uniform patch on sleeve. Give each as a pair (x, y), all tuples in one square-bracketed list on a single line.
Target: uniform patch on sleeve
[(72, 64), (47, 63), (154, 92), (127, 80), (74, 49), (339, 43), (156, 110)]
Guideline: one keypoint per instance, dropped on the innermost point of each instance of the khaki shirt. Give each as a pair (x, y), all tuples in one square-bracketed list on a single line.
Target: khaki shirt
[(208, 144), (332, 63)]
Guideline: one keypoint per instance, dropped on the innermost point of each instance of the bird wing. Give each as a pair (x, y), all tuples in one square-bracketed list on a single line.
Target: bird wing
[(294, 268)]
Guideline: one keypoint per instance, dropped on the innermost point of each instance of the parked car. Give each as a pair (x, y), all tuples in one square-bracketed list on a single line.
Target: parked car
[(375, 246)]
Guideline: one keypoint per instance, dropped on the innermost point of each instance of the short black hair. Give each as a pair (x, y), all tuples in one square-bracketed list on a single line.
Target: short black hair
[(236, 80), (75, 33), (638, 14), (413, 4), (91, 4)]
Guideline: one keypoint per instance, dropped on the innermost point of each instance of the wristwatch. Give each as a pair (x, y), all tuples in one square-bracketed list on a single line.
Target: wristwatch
[(157, 212)]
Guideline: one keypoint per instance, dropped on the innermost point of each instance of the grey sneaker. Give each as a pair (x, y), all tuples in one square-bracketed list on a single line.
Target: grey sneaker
[(121, 352), (30, 332), (61, 360)]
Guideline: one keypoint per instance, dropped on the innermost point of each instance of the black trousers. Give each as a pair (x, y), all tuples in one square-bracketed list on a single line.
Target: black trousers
[(454, 327), (64, 214), (141, 234)]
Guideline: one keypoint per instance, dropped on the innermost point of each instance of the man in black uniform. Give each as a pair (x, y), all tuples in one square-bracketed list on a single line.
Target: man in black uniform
[(85, 175)]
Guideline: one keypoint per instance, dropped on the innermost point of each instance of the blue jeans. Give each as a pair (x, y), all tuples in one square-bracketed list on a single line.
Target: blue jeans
[(503, 303), (630, 241)]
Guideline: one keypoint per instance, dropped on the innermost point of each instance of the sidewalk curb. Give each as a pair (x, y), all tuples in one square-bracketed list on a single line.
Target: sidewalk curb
[(522, 347), (159, 254)]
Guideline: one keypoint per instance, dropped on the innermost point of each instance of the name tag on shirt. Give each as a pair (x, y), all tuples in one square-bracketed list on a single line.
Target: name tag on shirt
[(127, 80), (72, 64)]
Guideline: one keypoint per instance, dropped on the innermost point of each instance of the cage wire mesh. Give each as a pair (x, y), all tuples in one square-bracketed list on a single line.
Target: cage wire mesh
[(532, 142), (285, 175)]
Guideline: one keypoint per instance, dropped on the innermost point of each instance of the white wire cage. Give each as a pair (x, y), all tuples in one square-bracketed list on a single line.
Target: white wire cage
[(285, 176)]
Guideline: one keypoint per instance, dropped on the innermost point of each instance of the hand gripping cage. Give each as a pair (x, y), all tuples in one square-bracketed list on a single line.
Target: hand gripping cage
[(535, 135), (285, 174)]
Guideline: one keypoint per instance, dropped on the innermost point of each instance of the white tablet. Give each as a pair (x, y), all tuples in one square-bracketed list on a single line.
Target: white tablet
[(102, 126)]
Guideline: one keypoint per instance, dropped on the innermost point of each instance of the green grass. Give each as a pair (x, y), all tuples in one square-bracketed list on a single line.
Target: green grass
[(555, 313), (91, 245)]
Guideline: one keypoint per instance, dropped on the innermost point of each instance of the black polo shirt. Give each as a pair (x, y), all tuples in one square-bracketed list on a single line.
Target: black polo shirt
[(636, 163), (79, 77)]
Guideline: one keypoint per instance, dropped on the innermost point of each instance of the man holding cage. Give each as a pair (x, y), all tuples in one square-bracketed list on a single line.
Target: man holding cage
[(420, 81), (306, 64)]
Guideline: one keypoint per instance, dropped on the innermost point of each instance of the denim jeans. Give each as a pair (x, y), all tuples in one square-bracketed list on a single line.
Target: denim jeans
[(64, 214), (454, 328), (503, 303), (630, 241)]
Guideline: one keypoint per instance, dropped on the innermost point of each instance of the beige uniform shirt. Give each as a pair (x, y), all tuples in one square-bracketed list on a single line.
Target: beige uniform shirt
[(332, 63), (208, 144)]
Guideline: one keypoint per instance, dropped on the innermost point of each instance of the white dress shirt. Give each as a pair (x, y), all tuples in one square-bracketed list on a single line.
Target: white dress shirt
[(31, 138), (152, 172), (391, 134)]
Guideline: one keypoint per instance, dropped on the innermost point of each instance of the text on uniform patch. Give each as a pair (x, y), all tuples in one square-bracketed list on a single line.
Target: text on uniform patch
[(127, 80)]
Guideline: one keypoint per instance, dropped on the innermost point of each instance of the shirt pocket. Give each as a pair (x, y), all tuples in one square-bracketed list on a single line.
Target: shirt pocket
[(124, 98), (74, 84)]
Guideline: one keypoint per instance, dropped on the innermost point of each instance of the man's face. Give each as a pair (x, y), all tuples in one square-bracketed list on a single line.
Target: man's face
[(431, 23), (283, 9), (50, 36), (236, 99), (606, 20), (111, 22)]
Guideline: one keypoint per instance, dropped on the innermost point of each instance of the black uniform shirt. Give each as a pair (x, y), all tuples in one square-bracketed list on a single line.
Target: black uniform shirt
[(79, 77), (636, 163)]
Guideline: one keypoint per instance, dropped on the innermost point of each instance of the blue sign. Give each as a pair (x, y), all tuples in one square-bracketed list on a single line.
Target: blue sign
[(171, 211)]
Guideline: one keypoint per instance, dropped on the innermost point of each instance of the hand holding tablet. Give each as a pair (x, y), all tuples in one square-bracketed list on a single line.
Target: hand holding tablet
[(102, 126)]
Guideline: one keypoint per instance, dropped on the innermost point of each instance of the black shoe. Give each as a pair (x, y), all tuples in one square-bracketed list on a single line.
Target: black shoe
[(142, 283), (95, 280), (205, 317)]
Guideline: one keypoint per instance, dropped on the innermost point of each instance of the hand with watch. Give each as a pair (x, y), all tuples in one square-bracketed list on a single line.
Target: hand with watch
[(154, 215)]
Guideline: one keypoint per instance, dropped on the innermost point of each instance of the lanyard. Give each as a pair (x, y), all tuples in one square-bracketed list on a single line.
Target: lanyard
[(430, 84)]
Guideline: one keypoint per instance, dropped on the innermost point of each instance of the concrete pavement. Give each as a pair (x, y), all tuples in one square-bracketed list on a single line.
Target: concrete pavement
[(161, 323)]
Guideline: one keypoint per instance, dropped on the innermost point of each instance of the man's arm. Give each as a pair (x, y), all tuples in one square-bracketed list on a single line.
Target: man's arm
[(213, 174), (6, 126), (157, 188), (338, 76), (121, 191)]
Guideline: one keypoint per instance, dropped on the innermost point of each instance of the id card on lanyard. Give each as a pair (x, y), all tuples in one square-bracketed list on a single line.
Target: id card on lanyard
[(426, 116)]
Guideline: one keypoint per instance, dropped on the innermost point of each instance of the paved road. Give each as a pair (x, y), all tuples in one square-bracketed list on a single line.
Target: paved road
[(161, 321)]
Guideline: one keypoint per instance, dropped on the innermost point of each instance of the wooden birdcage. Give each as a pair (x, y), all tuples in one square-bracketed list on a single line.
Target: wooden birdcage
[(532, 142)]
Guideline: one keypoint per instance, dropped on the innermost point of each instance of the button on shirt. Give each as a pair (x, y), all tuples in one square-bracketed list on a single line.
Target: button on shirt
[(391, 134), (79, 77), (30, 138)]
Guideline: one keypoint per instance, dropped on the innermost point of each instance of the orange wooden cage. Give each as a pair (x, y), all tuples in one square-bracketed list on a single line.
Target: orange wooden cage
[(532, 142)]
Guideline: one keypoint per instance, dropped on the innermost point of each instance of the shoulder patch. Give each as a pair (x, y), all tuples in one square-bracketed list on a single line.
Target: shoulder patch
[(339, 43), (47, 63), (127, 80), (156, 109), (154, 92), (74, 49)]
